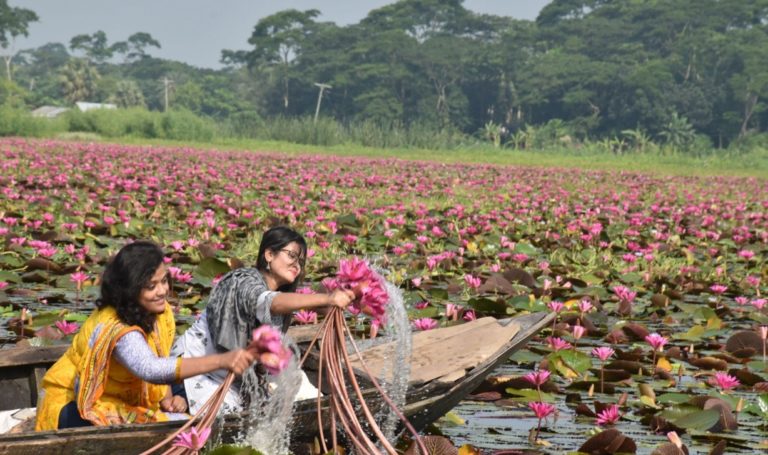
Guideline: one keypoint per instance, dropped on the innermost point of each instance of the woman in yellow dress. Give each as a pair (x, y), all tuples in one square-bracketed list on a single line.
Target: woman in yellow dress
[(118, 367)]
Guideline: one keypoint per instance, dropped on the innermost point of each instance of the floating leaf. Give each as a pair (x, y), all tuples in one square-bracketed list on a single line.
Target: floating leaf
[(527, 395), (526, 248), (709, 363), (693, 334), (13, 277), (698, 420), (435, 445), (744, 339), (670, 449), (454, 418), (673, 398), (211, 268), (609, 441)]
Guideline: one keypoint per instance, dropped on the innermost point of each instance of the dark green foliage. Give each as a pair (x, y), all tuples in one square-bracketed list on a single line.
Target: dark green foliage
[(18, 122), (175, 124), (681, 73)]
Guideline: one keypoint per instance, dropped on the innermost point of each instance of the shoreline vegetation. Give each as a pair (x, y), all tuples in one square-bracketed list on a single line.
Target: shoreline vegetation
[(540, 148)]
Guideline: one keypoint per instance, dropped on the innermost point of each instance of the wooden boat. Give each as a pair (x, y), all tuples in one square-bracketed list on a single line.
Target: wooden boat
[(446, 365)]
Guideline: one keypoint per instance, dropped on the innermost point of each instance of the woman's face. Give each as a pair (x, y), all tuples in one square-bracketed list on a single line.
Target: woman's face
[(153, 294), (285, 263)]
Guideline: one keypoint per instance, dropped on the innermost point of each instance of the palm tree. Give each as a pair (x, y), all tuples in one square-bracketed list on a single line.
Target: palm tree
[(78, 80), (127, 94)]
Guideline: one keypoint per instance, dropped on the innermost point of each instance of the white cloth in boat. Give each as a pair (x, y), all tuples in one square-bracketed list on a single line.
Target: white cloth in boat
[(196, 342)]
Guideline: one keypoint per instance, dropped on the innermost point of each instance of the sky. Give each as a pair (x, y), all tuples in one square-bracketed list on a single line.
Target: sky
[(195, 31)]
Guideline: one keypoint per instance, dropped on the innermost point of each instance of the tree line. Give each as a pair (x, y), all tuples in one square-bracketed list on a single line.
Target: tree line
[(684, 72)]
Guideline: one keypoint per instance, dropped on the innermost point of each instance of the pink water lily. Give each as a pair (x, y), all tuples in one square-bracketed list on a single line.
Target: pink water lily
[(78, 278), (472, 281), (656, 341), (356, 274), (557, 344), (609, 415), (306, 317), (718, 289), (603, 353), (67, 328), (424, 324), (452, 311), (724, 381), (537, 377), (542, 411), (192, 440), (469, 315), (555, 306), (585, 305), (271, 352)]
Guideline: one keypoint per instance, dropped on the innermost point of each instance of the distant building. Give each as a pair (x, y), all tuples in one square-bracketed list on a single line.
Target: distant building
[(83, 106), (49, 111)]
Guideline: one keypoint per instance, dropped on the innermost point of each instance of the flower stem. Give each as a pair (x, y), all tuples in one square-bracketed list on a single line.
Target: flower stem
[(602, 381)]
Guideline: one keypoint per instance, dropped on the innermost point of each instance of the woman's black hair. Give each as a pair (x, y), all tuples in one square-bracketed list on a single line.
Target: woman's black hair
[(275, 239), (124, 278)]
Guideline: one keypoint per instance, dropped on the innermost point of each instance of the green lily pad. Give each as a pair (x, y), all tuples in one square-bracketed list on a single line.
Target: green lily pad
[(526, 248), (673, 398), (698, 420), (528, 395), (211, 268)]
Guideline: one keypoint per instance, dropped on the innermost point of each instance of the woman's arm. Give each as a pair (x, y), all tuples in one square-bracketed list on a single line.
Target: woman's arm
[(133, 352), (236, 361), (288, 302)]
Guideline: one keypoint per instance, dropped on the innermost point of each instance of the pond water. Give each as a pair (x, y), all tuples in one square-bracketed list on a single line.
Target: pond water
[(507, 426), (502, 425)]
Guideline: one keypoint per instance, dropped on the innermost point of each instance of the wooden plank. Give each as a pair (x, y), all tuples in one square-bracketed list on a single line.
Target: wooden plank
[(423, 338), (303, 333), (31, 356), (35, 381), (444, 352), (121, 442)]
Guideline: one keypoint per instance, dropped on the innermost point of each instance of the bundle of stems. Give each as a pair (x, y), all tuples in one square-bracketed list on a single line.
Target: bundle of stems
[(202, 420), (336, 370)]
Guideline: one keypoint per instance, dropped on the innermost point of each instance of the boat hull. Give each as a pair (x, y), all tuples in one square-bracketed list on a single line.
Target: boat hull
[(426, 401)]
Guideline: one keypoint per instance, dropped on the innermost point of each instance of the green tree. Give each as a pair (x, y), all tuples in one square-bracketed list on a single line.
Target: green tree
[(127, 94), (78, 80), (750, 85), (445, 60), (95, 47), (277, 42), (14, 22), (135, 47)]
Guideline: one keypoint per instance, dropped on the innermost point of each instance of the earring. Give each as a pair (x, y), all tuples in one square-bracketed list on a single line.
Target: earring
[(268, 268)]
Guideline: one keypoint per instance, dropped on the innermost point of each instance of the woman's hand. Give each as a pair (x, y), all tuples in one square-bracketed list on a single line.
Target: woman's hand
[(173, 404), (341, 298), (236, 361)]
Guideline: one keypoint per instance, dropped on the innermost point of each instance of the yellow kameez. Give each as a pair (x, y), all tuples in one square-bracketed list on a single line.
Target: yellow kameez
[(105, 391)]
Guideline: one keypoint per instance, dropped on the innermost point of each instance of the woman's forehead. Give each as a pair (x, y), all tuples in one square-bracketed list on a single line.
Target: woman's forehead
[(294, 246)]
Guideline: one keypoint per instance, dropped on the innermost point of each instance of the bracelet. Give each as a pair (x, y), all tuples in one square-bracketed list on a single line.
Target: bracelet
[(178, 369)]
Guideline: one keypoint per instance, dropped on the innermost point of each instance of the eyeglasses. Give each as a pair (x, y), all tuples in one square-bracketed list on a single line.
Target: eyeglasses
[(293, 256)]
